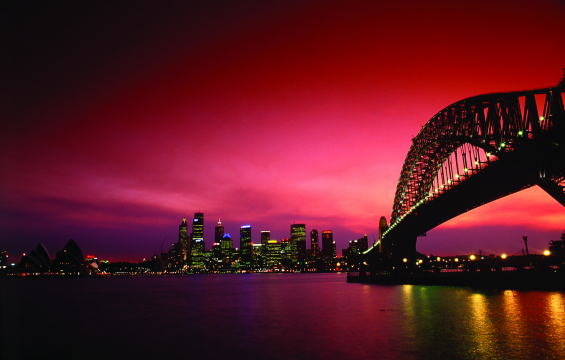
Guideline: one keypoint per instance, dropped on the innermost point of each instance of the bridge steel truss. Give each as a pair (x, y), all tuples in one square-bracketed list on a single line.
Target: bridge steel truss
[(469, 136)]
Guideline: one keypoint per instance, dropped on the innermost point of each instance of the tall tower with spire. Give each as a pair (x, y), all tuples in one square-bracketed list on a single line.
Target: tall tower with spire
[(183, 238), (219, 232)]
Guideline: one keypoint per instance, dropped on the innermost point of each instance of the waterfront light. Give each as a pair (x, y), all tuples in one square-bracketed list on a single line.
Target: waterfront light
[(472, 257), (503, 256), (405, 259), (546, 252)]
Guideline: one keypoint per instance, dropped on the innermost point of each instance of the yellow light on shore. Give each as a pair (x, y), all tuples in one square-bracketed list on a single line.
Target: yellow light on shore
[(503, 256), (405, 259), (546, 252), (472, 257)]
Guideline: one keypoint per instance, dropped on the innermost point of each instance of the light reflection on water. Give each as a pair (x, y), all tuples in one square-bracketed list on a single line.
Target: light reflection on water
[(278, 316)]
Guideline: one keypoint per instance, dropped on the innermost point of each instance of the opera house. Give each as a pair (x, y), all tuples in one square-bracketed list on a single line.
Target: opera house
[(68, 261)]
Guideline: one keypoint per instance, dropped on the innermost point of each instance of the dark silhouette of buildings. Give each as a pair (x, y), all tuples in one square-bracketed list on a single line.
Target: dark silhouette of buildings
[(68, 261), (37, 259)]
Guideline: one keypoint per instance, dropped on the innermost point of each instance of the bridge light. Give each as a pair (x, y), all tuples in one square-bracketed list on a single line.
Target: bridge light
[(503, 256), (502, 144), (488, 154), (449, 181), (476, 163), (541, 118), (472, 257), (520, 133), (466, 170), (546, 252), (457, 176)]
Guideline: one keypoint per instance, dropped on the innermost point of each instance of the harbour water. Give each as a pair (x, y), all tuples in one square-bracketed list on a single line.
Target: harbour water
[(273, 316)]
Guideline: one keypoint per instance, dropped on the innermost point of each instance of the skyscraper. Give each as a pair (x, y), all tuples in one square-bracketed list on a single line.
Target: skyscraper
[(298, 242), (183, 239), (219, 234), (363, 244), (245, 247), (327, 244), (227, 249), (197, 245), (265, 237), (314, 244)]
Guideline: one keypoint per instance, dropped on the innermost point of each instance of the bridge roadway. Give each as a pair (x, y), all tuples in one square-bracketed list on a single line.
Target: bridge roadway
[(535, 159)]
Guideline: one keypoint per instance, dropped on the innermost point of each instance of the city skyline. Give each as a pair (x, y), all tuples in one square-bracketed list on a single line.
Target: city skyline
[(122, 119)]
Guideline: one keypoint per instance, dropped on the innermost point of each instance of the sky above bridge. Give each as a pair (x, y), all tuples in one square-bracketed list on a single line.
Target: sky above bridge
[(124, 117)]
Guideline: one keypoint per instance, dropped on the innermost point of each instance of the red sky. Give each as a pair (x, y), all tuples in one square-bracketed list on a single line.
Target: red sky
[(124, 117)]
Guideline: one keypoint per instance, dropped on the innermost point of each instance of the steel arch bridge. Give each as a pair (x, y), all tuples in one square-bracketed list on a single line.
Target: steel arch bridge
[(475, 151)]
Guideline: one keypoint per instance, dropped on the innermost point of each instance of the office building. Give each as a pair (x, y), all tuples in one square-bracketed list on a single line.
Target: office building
[(314, 247), (327, 244), (183, 240), (227, 250), (245, 247), (273, 255), (197, 245), (219, 232), (298, 242), (265, 237)]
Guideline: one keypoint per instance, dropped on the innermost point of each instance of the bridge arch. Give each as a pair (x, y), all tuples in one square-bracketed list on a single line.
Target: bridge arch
[(481, 138)]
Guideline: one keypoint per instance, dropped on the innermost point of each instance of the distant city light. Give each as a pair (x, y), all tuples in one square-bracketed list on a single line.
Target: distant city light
[(546, 252), (472, 257), (503, 256)]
